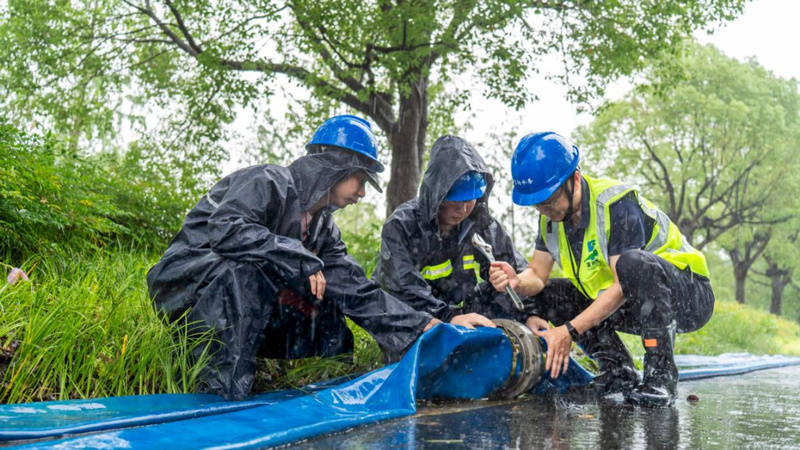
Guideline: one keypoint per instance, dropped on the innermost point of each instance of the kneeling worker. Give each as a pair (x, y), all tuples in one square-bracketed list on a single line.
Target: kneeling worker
[(260, 262), (427, 258), (627, 268)]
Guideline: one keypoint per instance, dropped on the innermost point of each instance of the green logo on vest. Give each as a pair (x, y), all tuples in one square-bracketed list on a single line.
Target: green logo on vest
[(591, 258)]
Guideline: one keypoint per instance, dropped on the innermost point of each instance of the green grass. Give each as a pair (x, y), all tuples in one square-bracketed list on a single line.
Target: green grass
[(733, 328), (84, 327)]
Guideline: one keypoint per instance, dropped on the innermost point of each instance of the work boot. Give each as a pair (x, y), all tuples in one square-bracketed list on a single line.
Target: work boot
[(658, 388), (617, 373)]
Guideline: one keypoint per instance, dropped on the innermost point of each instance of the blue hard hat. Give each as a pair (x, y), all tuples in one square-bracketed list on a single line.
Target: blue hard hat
[(468, 187), (349, 132), (541, 163)]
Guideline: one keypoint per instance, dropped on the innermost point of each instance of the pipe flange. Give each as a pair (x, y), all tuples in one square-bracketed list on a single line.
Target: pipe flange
[(527, 359)]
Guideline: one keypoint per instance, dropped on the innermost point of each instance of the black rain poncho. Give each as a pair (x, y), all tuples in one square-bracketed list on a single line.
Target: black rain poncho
[(239, 267), (439, 274)]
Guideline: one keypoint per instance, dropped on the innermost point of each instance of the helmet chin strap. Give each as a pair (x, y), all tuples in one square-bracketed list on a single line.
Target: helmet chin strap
[(328, 201), (570, 196)]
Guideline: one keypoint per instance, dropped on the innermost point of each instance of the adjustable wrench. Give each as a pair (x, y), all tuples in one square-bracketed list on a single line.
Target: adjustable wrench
[(486, 251)]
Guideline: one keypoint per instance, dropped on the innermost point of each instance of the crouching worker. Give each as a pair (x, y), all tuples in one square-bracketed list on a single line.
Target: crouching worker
[(260, 261), (627, 268), (427, 258)]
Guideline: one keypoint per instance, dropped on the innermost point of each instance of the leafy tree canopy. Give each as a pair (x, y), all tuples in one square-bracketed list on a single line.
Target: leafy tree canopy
[(180, 69), (712, 148)]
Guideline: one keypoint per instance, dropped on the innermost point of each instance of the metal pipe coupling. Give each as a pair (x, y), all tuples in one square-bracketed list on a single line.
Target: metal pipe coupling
[(527, 361)]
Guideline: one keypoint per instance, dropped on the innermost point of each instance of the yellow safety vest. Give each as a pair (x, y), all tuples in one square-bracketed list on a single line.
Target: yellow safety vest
[(592, 274)]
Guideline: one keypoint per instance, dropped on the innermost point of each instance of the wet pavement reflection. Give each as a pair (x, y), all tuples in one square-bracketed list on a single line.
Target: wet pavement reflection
[(759, 409)]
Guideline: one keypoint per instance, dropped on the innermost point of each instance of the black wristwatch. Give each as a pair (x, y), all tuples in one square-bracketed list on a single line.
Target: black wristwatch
[(573, 333)]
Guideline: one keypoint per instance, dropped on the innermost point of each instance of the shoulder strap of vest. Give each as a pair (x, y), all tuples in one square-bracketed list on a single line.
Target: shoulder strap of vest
[(549, 231), (605, 192)]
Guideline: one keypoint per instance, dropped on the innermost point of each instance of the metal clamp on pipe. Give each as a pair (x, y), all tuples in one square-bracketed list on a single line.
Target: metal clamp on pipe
[(527, 360)]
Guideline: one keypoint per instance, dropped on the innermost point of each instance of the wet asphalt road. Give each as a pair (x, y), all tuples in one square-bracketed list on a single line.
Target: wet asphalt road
[(756, 410)]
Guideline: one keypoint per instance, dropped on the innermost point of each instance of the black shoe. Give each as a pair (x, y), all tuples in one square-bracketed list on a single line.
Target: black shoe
[(615, 380), (651, 396), (617, 373)]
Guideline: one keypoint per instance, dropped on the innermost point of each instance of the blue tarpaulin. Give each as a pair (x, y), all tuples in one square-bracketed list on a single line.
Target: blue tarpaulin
[(446, 362)]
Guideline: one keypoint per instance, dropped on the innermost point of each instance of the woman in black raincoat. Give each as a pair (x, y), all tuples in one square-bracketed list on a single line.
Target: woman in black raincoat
[(427, 257), (260, 261)]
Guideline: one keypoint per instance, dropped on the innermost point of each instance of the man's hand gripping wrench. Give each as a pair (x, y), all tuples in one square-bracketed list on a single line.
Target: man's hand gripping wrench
[(486, 251)]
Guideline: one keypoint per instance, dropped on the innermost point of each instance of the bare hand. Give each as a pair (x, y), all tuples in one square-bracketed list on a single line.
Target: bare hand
[(472, 320), (501, 274), (317, 282), (536, 323), (558, 345), (431, 324)]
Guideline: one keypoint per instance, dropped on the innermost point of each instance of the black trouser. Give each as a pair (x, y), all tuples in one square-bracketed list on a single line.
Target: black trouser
[(253, 316), (656, 293), (301, 327)]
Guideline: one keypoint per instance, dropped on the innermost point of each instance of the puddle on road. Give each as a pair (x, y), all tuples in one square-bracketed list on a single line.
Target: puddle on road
[(759, 409)]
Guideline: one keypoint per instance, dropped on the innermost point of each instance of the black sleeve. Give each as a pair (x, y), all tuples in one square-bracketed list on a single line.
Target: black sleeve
[(238, 230), (398, 274), (394, 324), (627, 226)]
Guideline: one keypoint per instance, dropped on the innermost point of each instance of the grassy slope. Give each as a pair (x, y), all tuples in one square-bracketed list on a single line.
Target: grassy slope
[(735, 328)]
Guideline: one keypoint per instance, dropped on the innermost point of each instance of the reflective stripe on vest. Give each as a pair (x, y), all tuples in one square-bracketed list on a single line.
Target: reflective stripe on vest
[(469, 263), (438, 271), (595, 274)]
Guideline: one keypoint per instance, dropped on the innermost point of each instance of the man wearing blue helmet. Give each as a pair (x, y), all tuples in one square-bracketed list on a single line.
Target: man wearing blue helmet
[(427, 258), (627, 268), (260, 262)]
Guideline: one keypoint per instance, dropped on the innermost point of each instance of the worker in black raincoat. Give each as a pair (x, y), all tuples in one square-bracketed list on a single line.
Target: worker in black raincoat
[(260, 261), (427, 258)]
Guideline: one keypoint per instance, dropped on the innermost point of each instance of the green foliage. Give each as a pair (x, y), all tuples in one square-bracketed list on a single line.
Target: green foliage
[(175, 70), (715, 147), (361, 232), (711, 149), (53, 199), (50, 197), (85, 328)]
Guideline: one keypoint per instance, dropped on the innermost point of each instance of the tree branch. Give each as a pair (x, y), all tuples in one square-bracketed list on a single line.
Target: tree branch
[(664, 171), (182, 27), (146, 10), (298, 73)]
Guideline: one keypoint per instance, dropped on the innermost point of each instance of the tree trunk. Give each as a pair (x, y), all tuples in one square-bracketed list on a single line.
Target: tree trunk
[(742, 258), (407, 140), (741, 281), (740, 269), (779, 278), (777, 297)]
